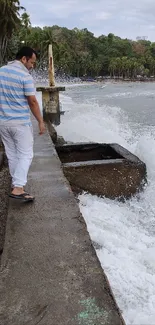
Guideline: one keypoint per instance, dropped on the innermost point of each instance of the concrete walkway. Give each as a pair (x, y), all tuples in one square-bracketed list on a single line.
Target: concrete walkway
[(50, 274)]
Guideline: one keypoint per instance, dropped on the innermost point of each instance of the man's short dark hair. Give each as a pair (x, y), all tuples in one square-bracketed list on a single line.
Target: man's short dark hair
[(25, 51)]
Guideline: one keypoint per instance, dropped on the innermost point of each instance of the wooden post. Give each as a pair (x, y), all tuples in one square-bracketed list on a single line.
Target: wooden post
[(51, 67)]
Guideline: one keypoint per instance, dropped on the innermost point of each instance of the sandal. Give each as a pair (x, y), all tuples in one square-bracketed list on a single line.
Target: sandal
[(24, 197)]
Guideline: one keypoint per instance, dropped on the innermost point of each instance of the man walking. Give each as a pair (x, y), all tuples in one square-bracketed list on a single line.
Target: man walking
[(17, 99)]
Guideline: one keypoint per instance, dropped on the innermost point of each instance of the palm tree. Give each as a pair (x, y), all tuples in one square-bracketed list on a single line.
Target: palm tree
[(118, 66), (48, 38), (9, 22), (112, 67), (97, 66), (25, 20), (125, 66), (25, 28)]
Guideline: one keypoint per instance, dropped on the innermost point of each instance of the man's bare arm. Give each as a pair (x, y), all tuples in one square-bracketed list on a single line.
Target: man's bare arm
[(34, 107)]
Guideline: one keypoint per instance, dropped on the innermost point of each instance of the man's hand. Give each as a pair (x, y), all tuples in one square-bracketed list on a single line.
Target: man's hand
[(42, 128)]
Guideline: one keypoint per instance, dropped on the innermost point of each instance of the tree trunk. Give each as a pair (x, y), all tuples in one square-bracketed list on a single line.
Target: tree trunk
[(3, 47), (78, 72)]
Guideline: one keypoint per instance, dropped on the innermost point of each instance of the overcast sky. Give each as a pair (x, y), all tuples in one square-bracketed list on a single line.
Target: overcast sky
[(124, 18)]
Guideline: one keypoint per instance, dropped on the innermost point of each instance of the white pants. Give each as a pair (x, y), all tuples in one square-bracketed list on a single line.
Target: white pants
[(18, 143)]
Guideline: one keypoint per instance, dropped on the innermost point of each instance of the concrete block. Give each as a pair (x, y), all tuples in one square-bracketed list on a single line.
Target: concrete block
[(102, 169)]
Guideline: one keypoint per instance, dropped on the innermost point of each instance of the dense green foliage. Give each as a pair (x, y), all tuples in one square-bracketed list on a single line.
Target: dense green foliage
[(9, 22), (76, 52)]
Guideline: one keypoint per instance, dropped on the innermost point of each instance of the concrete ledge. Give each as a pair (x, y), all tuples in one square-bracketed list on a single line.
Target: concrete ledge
[(52, 131), (50, 273), (50, 89), (1, 158), (4, 190)]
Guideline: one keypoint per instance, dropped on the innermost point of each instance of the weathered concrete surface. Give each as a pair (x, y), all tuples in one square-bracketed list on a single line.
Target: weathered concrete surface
[(50, 103), (52, 131), (107, 170), (4, 190), (87, 152), (1, 156), (51, 89), (50, 273)]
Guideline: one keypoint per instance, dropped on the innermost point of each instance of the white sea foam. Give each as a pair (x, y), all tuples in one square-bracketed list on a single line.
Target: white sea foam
[(131, 94)]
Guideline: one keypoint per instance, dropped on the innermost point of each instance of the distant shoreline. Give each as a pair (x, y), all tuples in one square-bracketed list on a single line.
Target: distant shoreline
[(133, 80), (105, 81), (117, 80)]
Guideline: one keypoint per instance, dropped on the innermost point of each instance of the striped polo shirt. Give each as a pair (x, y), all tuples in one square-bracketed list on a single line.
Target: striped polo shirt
[(16, 84)]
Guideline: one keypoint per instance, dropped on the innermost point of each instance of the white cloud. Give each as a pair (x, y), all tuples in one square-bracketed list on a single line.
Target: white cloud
[(95, 19), (61, 9), (102, 15), (151, 27), (125, 18)]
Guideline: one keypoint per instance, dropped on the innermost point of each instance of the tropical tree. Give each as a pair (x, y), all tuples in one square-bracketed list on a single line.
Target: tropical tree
[(25, 20), (112, 67), (125, 66), (76, 52), (97, 66), (9, 22), (118, 66)]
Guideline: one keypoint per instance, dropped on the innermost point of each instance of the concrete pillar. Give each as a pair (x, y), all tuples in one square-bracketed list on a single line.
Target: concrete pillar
[(50, 95), (50, 103)]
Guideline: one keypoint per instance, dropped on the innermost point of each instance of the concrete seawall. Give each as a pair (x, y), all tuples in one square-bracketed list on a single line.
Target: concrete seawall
[(50, 274), (4, 188)]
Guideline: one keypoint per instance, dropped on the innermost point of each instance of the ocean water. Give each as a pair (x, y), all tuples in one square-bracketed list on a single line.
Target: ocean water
[(124, 114)]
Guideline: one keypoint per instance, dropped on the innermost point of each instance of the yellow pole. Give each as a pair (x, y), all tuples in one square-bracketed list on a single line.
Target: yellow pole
[(51, 67)]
